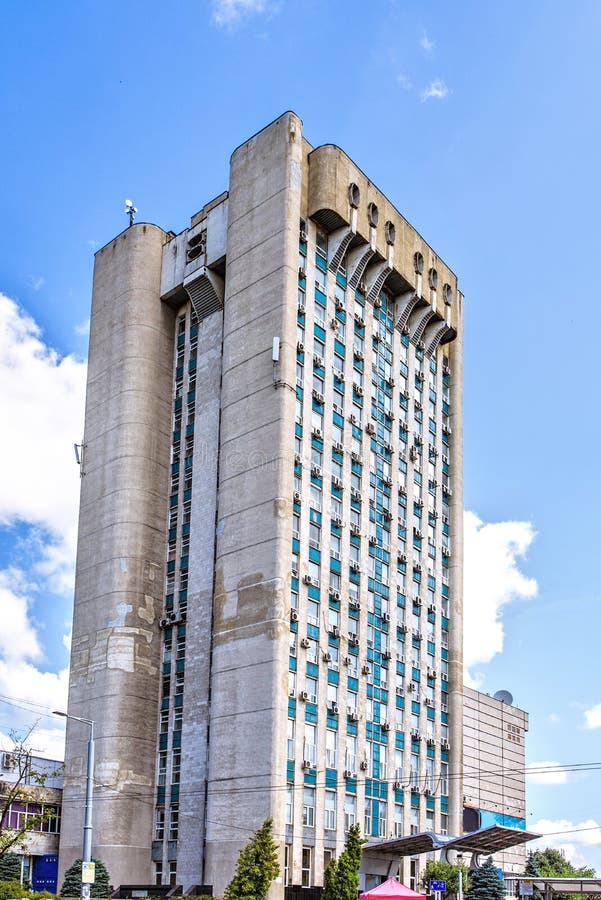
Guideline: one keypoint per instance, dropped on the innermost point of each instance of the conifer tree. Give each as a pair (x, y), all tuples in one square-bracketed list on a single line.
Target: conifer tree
[(486, 884), (257, 866), (531, 871), (341, 879), (330, 882), (72, 883), (10, 867)]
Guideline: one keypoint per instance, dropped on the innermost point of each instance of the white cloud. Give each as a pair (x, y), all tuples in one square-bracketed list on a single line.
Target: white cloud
[(18, 638), (546, 773), (43, 741), (404, 81), (554, 718), (33, 690), (41, 408), (580, 841), (426, 43), (231, 12), (83, 328), (37, 282), (436, 90), (592, 717), (491, 581), (22, 677)]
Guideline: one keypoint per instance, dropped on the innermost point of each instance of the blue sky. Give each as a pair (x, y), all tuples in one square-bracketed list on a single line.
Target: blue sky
[(481, 122)]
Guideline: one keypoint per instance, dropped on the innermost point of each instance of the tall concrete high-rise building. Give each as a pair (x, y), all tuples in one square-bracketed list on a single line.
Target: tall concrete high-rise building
[(268, 602)]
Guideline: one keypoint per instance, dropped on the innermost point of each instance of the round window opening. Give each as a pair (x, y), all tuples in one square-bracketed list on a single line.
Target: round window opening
[(354, 195)]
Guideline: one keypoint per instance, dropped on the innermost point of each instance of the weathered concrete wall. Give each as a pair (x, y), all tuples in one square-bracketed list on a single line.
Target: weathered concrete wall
[(121, 552), (454, 351), (251, 606), (200, 602), (330, 173)]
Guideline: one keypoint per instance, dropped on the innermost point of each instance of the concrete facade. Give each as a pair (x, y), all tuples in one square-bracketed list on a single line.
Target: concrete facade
[(494, 764), (268, 606), (115, 656)]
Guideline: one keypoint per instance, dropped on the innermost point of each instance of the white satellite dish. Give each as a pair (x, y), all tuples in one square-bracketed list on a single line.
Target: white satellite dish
[(504, 697)]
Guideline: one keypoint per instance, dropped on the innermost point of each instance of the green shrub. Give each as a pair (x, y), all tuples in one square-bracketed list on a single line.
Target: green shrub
[(9, 889)]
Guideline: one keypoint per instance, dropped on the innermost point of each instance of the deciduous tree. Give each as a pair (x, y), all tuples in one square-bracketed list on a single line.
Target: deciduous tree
[(441, 870), (551, 863), (24, 802)]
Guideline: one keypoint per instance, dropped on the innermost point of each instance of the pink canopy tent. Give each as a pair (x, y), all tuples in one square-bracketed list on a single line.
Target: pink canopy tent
[(391, 889)]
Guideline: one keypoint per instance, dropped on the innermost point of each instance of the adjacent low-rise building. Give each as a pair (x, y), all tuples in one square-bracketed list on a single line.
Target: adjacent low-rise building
[(31, 791), (494, 763)]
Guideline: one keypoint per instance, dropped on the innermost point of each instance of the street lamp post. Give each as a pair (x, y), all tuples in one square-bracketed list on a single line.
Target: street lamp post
[(460, 861), (86, 855)]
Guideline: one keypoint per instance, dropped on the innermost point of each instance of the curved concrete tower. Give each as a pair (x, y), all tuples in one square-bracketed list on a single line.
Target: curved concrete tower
[(115, 662)]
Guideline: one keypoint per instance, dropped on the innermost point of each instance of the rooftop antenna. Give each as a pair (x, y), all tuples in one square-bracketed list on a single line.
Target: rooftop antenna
[(130, 210)]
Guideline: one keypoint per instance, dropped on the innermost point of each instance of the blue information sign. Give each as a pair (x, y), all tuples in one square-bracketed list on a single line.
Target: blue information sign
[(438, 886)]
